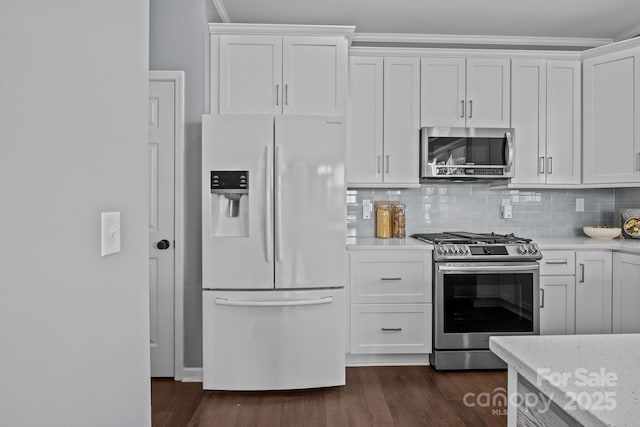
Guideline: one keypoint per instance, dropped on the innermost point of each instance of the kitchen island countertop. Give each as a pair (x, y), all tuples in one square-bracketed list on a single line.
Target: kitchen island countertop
[(579, 370)]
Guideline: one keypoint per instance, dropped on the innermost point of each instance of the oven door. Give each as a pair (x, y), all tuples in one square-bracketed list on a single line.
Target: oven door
[(475, 300)]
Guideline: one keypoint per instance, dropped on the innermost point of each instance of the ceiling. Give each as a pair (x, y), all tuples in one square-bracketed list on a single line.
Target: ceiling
[(602, 19)]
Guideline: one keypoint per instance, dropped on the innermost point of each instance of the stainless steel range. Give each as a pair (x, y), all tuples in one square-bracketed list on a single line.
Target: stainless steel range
[(484, 285)]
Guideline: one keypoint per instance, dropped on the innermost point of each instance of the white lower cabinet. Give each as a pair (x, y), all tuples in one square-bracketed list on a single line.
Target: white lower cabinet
[(626, 293), (390, 328), (593, 292), (557, 292), (390, 311), (557, 305), (576, 292)]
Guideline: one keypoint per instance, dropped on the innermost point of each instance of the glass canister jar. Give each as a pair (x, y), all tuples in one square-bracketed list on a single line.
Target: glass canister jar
[(383, 221), (398, 221)]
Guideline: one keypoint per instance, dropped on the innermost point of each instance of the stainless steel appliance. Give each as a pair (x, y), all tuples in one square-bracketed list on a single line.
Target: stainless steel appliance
[(484, 285), (466, 153)]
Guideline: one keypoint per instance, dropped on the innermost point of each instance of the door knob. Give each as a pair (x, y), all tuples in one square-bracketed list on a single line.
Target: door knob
[(163, 244)]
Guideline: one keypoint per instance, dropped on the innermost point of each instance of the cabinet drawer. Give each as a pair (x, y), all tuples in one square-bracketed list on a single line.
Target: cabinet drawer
[(388, 277), (558, 263), (390, 328)]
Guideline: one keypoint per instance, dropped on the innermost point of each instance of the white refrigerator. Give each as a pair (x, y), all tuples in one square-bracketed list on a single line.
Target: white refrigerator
[(273, 252)]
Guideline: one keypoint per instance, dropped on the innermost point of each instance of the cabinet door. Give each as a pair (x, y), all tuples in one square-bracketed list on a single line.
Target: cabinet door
[(488, 93), (557, 305), (593, 292), (563, 163), (250, 75), (442, 93), (528, 117), (611, 115), (401, 120), (626, 293), (364, 131), (314, 75)]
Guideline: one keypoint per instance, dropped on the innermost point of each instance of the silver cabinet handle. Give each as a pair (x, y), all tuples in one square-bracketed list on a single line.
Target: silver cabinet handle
[(286, 94), (541, 166), (391, 278), (379, 164), (278, 95), (462, 103), (638, 161), (470, 108), (541, 298), (556, 262), (387, 156), (549, 165), (581, 273), (391, 329)]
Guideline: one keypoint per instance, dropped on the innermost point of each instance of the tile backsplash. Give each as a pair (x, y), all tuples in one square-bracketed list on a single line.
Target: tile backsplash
[(478, 207)]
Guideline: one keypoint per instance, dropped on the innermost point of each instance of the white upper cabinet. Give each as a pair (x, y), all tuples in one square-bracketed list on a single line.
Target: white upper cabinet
[(611, 117), (250, 74), (365, 116), (270, 74), (471, 92), (545, 113), (383, 121)]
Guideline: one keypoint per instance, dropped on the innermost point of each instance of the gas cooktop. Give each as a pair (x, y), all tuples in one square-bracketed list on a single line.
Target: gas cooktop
[(460, 245)]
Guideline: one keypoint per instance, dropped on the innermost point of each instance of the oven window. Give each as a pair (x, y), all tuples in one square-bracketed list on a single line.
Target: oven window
[(467, 151), (488, 302)]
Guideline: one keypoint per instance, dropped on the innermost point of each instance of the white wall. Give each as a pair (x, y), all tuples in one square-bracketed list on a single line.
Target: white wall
[(179, 40), (74, 333)]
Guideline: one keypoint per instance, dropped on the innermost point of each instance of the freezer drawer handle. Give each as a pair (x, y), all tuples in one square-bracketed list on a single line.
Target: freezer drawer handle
[(391, 329), (289, 303), (556, 262)]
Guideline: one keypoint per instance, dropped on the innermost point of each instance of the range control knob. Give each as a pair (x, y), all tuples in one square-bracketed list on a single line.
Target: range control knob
[(464, 250), (522, 249), (533, 249), (442, 249)]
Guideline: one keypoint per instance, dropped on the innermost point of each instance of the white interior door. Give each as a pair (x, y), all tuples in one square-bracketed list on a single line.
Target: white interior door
[(161, 226)]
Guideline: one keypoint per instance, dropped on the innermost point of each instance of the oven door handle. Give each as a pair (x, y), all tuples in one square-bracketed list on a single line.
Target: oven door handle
[(478, 269)]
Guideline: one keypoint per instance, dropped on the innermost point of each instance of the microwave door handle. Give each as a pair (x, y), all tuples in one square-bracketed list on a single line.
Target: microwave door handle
[(509, 155)]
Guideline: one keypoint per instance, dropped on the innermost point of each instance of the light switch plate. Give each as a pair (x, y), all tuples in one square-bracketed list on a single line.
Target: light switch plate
[(579, 205), (110, 233), (366, 209)]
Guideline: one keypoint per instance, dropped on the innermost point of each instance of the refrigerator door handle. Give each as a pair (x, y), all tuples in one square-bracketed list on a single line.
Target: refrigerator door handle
[(268, 204), (278, 203), (285, 303)]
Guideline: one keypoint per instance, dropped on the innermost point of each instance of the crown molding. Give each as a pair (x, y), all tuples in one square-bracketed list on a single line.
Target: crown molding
[(467, 52), (283, 29), (222, 11), (611, 48), (474, 40)]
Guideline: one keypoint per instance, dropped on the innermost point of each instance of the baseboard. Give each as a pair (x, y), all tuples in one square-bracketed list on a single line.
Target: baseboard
[(387, 360), (192, 375)]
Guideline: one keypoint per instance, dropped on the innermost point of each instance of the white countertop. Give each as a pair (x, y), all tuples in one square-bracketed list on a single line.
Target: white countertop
[(368, 243), (579, 357), (566, 243), (582, 243)]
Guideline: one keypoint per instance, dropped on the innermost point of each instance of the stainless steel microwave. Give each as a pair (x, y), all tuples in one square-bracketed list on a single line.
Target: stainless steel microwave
[(466, 153)]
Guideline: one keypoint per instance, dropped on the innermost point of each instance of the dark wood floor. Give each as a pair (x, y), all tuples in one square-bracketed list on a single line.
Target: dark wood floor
[(374, 396)]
